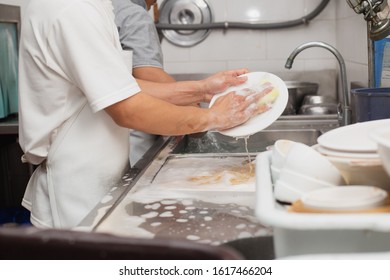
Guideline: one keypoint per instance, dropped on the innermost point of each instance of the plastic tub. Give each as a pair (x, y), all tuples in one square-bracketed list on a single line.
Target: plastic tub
[(371, 103), (304, 233)]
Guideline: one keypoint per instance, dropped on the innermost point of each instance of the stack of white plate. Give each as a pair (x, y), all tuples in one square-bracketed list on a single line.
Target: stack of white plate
[(353, 151)]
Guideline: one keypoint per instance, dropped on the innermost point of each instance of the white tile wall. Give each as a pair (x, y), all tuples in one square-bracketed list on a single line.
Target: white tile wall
[(248, 48), (267, 50), (261, 10)]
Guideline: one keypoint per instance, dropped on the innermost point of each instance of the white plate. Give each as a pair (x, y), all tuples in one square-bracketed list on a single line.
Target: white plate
[(345, 198), (352, 138), (350, 155), (263, 120)]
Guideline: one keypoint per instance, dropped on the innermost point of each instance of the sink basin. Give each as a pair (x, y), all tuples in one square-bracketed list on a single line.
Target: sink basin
[(214, 142), (304, 129), (301, 128)]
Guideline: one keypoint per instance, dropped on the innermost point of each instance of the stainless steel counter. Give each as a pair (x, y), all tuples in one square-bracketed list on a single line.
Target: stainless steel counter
[(213, 214), (164, 202), (140, 207)]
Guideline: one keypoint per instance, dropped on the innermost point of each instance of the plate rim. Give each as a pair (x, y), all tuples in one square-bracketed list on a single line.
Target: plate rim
[(343, 130), (344, 154), (376, 193)]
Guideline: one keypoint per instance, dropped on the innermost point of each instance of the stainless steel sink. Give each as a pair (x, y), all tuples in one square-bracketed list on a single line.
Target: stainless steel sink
[(301, 129), (213, 142)]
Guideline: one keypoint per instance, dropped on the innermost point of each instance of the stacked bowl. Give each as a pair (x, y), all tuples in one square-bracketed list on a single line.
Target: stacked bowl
[(353, 150), (297, 169)]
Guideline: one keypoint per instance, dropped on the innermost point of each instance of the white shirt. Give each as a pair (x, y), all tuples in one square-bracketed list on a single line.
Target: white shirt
[(71, 68)]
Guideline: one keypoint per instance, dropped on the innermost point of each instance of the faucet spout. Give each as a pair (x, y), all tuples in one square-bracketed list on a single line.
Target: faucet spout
[(290, 61), (345, 114)]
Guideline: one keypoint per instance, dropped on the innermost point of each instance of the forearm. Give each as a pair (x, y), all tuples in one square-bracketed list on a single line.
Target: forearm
[(155, 116), (178, 93), (193, 92), (153, 74), (152, 115)]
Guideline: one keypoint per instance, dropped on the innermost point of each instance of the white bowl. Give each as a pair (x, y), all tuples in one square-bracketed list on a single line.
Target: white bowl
[(382, 138), (303, 159), (286, 193), (364, 171), (345, 198), (275, 173), (291, 185), (280, 150)]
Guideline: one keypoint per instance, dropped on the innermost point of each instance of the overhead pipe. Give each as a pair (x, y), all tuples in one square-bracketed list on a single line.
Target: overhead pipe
[(246, 25)]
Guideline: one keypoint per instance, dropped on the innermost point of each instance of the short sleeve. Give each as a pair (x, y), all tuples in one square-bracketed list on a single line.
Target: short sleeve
[(84, 47)]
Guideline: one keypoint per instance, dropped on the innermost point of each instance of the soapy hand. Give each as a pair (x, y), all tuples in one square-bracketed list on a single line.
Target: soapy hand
[(221, 81), (267, 100), (267, 96), (236, 108)]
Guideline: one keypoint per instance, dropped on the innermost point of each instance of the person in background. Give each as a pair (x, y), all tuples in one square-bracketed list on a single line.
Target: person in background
[(77, 101), (138, 35)]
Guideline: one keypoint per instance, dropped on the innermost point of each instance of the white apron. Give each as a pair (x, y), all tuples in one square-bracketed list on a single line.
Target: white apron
[(87, 158)]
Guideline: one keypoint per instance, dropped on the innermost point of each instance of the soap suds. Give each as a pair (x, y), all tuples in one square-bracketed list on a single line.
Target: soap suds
[(166, 214), (150, 215), (193, 237), (241, 226)]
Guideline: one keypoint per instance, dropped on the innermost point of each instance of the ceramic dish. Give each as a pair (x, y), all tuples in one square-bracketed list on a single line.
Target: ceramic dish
[(382, 137), (363, 171), (345, 198), (306, 161), (263, 120), (352, 138), (335, 153), (279, 152)]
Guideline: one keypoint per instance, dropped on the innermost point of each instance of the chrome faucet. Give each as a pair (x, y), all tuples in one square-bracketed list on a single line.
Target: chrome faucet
[(344, 113)]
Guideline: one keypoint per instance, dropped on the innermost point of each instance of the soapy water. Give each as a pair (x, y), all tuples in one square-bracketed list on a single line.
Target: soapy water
[(210, 144), (202, 222), (213, 142), (171, 210), (225, 173), (249, 163), (207, 144), (248, 155)]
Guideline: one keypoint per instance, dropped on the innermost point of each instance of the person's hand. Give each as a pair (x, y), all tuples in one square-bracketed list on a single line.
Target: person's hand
[(236, 108), (219, 82)]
